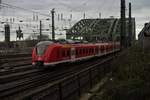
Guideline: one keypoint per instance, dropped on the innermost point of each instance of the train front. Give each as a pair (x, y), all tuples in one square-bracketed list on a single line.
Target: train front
[(38, 53)]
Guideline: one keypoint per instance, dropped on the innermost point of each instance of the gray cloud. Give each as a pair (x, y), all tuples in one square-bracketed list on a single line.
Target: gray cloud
[(91, 7)]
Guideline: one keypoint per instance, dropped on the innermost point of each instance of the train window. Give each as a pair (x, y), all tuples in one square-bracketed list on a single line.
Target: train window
[(58, 53), (95, 50), (86, 51), (63, 53), (40, 49), (68, 52), (76, 51), (83, 51), (80, 51), (90, 50), (102, 47)]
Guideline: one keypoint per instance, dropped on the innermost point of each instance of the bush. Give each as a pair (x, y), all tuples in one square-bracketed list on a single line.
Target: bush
[(131, 76)]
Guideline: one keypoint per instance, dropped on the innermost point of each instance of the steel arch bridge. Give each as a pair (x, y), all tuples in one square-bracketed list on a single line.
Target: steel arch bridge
[(107, 29)]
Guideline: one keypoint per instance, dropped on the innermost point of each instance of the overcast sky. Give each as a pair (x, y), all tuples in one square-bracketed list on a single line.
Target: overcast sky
[(140, 8)]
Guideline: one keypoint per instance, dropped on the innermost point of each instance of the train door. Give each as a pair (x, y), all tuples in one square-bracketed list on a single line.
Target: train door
[(73, 56), (100, 50)]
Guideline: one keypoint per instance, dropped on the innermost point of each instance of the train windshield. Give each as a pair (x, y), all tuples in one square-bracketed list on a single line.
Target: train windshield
[(41, 47)]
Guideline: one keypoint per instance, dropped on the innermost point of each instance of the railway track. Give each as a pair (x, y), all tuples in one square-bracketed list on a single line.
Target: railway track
[(14, 55), (16, 70), (20, 83), (63, 86), (8, 62)]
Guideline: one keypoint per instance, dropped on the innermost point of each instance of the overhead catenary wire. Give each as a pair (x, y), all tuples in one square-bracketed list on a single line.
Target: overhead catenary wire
[(32, 26), (20, 8), (79, 7)]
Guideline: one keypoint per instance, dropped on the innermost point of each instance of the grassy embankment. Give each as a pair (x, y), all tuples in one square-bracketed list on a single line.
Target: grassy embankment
[(130, 77)]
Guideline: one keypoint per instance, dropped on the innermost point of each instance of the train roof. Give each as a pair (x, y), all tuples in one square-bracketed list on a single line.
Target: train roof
[(69, 45), (44, 43)]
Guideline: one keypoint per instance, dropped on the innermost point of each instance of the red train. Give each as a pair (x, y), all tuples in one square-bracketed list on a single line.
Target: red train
[(49, 53)]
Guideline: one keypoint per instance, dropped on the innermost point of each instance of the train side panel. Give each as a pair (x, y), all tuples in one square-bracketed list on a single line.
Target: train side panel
[(60, 53)]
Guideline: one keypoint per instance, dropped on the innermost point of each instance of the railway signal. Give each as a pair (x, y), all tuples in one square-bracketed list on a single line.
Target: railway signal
[(19, 33)]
